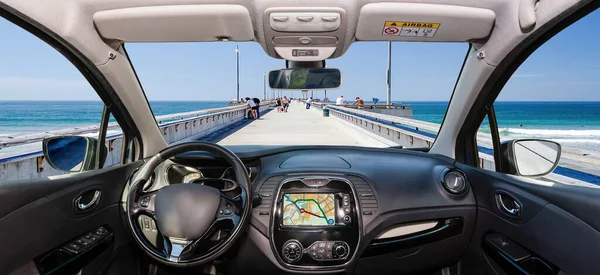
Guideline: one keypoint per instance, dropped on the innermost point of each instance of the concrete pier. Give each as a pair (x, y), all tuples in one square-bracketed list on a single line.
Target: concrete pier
[(299, 126)]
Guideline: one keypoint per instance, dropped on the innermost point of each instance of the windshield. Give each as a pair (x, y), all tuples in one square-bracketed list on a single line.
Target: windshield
[(199, 76)]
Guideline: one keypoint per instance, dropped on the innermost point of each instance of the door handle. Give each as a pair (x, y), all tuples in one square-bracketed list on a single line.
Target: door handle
[(81, 206), (514, 210)]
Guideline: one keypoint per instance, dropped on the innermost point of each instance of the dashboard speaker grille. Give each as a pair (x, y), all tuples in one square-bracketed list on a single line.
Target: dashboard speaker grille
[(365, 194)]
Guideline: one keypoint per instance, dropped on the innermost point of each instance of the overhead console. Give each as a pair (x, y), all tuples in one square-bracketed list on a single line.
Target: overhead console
[(316, 224), (305, 34)]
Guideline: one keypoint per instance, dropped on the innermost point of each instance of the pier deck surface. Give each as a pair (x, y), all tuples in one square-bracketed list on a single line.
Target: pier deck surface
[(299, 126)]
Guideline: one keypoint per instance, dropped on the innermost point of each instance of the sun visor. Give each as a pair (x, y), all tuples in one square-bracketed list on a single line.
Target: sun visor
[(177, 23), (423, 22)]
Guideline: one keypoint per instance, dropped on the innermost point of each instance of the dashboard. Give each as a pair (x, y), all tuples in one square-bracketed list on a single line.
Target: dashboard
[(330, 209)]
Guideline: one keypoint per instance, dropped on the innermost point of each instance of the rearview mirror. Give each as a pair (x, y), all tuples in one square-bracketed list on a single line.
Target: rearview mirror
[(72, 153), (305, 79), (530, 157)]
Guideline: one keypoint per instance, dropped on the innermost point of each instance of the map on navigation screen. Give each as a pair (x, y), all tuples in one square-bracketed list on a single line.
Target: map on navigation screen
[(308, 209)]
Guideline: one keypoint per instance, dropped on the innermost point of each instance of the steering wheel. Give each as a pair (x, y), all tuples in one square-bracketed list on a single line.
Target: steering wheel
[(188, 216)]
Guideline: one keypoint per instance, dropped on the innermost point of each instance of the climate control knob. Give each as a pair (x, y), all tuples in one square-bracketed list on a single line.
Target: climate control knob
[(292, 251), (340, 250)]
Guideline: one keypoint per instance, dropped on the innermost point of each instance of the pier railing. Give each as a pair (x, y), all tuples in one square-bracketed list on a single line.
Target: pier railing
[(176, 128), (411, 133)]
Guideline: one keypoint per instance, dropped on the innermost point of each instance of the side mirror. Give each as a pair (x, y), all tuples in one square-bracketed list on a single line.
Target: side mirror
[(530, 157), (72, 153)]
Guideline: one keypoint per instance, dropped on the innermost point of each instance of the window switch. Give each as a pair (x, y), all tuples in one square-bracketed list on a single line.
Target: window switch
[(82, 242), (90, 237), (507, 247), (101, 231), (75, 248)]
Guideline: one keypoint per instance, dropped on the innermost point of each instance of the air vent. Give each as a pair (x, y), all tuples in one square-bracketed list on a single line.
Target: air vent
[(366, 196), (267, 192), (454, 181)]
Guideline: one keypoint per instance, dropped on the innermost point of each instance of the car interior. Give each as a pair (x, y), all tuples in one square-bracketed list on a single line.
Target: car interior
[(203, 208)]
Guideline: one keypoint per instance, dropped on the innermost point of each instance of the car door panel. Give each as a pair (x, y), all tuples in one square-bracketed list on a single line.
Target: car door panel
[(40, 215), (545, 228)]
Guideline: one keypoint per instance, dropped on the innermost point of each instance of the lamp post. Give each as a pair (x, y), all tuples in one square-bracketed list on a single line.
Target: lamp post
[(237, 74), (389, 74), (264, 86)]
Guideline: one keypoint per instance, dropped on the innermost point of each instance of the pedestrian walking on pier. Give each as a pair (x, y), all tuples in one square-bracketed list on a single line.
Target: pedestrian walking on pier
[(278, 104), (257, 101), (286, 104)]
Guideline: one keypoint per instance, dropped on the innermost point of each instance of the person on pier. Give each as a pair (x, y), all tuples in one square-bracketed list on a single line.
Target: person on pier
[(359, 102), (286, 104), (253, 108)]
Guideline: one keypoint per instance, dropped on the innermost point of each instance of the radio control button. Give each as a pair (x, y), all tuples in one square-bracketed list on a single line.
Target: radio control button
[(347, 219), (346, 200)]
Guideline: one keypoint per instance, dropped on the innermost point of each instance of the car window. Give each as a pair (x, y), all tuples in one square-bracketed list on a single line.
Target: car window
[(43, 96), (554, 96)]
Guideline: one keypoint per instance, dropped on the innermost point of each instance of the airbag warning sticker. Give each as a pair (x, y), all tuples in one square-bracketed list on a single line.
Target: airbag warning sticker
[(401, 28)]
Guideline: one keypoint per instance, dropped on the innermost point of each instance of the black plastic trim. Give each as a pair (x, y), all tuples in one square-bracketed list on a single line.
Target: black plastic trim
[(517, 266), (76, 261), (266, 151), (495, 136)]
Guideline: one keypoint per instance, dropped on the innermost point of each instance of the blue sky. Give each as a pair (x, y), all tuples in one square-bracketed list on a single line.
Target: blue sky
[(565, 68)]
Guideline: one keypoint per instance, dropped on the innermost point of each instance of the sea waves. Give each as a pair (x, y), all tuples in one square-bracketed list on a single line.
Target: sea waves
[(552, 133), (583, 139)]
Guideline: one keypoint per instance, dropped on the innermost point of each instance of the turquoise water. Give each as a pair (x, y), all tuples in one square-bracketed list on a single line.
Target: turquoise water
[(575, 124)]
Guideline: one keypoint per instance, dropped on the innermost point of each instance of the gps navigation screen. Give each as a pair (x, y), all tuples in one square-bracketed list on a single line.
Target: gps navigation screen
[(308, 209)]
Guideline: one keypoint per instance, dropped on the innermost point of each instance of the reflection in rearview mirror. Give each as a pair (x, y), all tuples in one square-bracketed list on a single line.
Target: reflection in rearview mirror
[(305, 79), (535, 158)]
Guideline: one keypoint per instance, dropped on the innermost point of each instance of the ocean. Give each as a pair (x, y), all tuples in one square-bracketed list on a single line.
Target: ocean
[(573, 124), (26, 117)]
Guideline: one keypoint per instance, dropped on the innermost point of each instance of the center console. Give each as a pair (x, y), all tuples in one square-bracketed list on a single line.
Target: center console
[(316, 223)]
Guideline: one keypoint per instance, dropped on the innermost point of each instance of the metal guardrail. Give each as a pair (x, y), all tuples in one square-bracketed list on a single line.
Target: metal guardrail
[(10, 141), (388, 127)]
